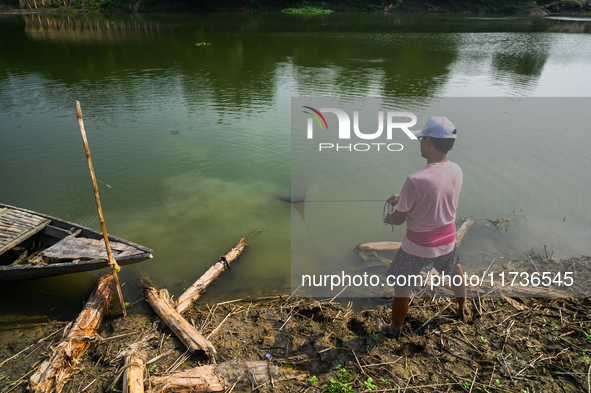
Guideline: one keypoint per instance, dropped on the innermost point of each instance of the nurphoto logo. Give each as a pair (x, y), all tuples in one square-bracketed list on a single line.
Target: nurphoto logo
[(344, 129)]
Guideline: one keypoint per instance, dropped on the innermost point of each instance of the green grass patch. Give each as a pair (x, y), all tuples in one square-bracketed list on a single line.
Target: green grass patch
[(306, 8)]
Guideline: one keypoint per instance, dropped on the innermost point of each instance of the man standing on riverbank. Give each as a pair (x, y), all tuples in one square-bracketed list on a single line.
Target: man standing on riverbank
[(428, 203)]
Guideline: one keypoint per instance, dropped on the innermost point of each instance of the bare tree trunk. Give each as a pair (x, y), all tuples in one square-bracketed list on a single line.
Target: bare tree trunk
[(133, 376), (170, 312), (161, 303), (219, 377), (198, 288), (53, 373), (461, 231)]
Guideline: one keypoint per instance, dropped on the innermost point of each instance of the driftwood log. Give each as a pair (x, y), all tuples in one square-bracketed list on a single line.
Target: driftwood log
[(53, 373), (193, 293), (461, 231), (170, 312), (219, 377), (133, 376), (161, 302)]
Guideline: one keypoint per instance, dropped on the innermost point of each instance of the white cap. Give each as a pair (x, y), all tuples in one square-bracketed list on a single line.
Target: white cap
[(438, 127)]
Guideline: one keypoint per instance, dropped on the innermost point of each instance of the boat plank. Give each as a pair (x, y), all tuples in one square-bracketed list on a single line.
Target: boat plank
[(18, 227), (56, 232), (72, 248)]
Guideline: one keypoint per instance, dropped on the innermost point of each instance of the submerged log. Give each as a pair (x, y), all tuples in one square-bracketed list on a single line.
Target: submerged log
[(133, 376), (379, 246), (461, 231), (196, 290), (161, 302), (372, 259), (53, 373), (219, 377)]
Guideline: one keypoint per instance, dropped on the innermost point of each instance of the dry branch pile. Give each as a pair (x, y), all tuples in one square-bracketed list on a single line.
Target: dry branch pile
[(522, 344), (54, 371), (282, 343)]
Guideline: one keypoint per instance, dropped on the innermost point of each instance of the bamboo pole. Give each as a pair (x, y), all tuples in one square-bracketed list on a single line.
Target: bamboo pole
[(114, 266), (53, 373)]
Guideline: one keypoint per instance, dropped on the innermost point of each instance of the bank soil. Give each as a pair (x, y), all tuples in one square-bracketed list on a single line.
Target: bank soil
[(509, 344)]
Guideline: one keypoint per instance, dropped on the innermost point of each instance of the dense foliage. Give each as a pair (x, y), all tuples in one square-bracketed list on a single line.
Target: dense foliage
[(325, 6), (443, 6)]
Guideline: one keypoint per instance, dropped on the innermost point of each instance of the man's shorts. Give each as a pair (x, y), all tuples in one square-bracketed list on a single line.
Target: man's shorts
[(410, 265)]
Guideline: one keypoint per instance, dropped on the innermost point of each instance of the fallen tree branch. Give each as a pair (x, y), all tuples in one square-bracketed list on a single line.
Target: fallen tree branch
[(133, 377), (219, 377), (161, 302), (53, 373), (461, 231), (195, 291)]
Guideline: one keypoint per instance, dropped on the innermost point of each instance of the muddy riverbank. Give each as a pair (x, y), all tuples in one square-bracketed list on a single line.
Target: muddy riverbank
[(509, 344)]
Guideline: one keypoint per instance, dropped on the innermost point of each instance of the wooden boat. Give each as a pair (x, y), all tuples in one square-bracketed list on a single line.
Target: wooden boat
[(35, 245)]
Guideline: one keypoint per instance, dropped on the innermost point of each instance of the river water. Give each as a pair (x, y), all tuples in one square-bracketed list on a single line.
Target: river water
[(194, 141)]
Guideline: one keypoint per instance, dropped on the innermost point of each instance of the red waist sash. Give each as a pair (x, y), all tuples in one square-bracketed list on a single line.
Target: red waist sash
[(438, 237)]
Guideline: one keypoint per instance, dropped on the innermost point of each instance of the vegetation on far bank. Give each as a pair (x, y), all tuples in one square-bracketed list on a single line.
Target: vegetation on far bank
[(308, 9), (507, 7)]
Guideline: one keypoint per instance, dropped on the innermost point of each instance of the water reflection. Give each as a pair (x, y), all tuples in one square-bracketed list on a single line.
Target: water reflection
[(376, 55), (570, 25), (195, 140), (388, 64), (77, 29), (520, 60)]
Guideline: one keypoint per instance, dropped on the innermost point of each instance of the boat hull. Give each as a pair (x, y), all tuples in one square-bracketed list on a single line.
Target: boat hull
[(52, 234)]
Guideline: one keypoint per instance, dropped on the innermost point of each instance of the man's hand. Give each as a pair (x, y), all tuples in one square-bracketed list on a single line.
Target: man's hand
[(393, 200), (395, 218), (389, 218)]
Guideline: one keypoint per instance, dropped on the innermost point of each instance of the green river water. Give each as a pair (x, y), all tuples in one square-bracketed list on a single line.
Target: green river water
[(195, 140)]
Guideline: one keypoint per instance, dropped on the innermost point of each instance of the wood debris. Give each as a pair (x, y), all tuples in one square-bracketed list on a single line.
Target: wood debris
[(54, 371)]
